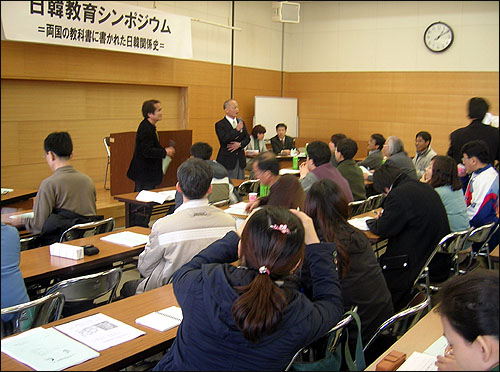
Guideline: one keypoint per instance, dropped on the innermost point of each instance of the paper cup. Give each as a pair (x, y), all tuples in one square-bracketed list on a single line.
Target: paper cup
[(252, 196)]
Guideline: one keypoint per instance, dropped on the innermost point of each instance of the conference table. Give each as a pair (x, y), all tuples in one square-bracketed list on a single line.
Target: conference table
[(19, 198), (127, 353), (37, 264), (131, 203), (418, 338)]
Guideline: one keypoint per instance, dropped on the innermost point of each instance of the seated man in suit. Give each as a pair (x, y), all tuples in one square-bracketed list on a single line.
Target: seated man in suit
[(65, 198), (178, 237), (281, 143), (375, 155), (344, 153), (318, 166), (203, 150), (414, 220), (284, 190)]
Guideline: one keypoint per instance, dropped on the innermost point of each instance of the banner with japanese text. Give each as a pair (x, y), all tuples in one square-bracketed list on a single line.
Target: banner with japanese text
[(99, 25)]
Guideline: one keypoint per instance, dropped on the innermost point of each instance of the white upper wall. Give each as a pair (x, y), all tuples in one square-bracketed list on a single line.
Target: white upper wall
[(344, 35), (388, 36)]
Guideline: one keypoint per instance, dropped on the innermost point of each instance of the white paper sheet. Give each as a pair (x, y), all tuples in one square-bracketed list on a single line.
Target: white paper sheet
[(23, 215), (47, 350), (419, 362), (360, 223), (238, 208), (128, 238), (438, 347), (100, 331), (288, 171), (150, 196)]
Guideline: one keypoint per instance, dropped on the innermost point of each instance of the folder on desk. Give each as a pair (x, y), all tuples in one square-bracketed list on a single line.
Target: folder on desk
[(128, 238)]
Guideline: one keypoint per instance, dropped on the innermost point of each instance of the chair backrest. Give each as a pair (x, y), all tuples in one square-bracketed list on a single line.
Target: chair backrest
[(106, 145), (358, 207), (374, 202), (481, 234), (220, 192), (33, 314), (415, 309), (338, 328), (82, 230), (89, 287), (248, 186), (454, 242)]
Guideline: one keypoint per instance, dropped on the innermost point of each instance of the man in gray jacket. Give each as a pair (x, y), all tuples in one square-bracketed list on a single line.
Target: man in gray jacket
[(176, 238)]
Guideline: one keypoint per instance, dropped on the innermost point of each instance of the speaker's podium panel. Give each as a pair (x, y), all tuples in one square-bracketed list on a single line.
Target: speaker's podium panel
[(122, 149)]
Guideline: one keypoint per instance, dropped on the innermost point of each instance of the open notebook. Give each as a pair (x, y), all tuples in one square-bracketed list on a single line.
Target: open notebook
[(162, 320)]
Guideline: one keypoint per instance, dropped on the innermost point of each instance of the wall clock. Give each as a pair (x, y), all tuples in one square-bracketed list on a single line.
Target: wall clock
[(438, 37)]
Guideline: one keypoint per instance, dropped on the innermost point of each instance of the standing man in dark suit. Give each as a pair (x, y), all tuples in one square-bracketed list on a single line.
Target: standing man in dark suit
[(146, 165), (233, 137), (282, 144)]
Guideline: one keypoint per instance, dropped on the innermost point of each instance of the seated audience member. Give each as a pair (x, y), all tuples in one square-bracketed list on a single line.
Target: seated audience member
[(177, 238), (442, 174), (424, 152), (250, 317), (481, 196), (203, 150), (13, 288), (396, 155), (413, 221), (256, 143), (361, 278), (318, 166), (344, 153), (468, 306), (334, 139), (64, 199), (281, 143), (285, 191), (375, 156)]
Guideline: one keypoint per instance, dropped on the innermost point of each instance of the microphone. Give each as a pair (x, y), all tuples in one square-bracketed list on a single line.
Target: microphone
[(240, 121)]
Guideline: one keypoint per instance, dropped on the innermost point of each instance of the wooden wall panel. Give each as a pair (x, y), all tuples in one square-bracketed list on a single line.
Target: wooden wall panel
[(391, 103)]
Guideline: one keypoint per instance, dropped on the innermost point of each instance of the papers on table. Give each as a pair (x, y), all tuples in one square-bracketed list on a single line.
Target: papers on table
[(425, 361), (419, 362), (252, 152), (162, 320), (23, 215), (360, 223), (6, 191), (157, 197), (46, 349), (365, 170), (100, 331), (238, 209), (128, 238), (288, 171)]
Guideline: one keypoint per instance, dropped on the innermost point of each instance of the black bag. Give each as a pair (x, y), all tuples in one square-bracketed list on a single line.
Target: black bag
[(333, 358)]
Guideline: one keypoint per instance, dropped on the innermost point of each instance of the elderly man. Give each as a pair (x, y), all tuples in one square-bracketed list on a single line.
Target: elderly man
[(233, 137)]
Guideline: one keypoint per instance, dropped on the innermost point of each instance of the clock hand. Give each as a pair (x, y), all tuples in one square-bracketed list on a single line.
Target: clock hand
[(441, 34)]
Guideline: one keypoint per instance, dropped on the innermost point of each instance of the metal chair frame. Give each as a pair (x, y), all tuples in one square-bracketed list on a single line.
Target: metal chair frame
[(483, 234), (106, 145), (89, 287), (339, 328), (88, 229), (248, 184), (416, 310), (44, 310), (358, 207), (374, 202)]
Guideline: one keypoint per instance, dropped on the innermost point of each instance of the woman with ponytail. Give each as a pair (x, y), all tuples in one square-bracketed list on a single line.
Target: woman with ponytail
[(250, 317), (360, 275)]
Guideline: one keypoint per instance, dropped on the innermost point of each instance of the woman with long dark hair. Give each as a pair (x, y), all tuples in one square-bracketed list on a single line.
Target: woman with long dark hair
[(360, 275), (249, 317)]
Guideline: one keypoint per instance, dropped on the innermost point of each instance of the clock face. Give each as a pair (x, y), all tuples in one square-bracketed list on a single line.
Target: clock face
[(438, 37)]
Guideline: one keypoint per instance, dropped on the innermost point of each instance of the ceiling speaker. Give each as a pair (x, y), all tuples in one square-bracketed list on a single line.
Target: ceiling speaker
[(285, 11)]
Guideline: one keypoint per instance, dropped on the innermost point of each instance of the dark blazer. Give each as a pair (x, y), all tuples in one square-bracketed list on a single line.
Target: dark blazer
[(474, 131), (208, 338), (145, 166), (278, 146), (227, 134), (413, 221), (373, 160)]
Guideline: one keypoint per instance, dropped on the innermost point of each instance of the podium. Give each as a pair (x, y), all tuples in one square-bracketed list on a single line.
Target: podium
[(122, 149)]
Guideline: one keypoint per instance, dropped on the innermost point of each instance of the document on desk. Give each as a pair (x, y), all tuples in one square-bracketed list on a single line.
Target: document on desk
[(100, 331), (6, 191), (162, 320), (157, 197), (288, 171), (360, 223), (238, 208), (128, 238), (47, 350), (23, 215), (419, 362)]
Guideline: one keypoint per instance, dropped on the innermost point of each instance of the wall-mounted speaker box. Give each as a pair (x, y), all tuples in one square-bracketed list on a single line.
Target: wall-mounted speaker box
[(284, 11)]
